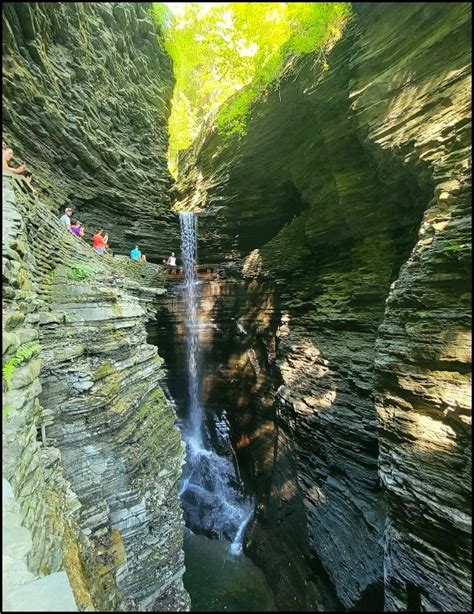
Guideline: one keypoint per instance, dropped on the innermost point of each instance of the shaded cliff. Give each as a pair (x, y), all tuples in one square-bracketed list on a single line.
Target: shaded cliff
[(86, 100), (351, 189), (238, 320)]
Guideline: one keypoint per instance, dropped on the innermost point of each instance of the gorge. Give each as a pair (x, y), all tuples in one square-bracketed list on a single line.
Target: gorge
[(331, 337)]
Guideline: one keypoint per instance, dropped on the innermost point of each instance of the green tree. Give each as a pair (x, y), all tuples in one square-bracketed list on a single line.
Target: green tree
[(226, 54)]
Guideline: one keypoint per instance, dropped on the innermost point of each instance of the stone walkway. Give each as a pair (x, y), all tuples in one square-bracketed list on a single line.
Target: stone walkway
[(22, 590)]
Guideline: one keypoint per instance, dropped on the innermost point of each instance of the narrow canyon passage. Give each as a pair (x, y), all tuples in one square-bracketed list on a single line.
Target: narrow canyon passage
[(281, 420), (218, 337), (218, 500)]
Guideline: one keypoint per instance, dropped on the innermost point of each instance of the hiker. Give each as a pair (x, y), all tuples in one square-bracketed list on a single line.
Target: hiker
[(99, 242), (136, 254), (7, 155), (106, 242), (66, 218), (77, 228), (171, 262)]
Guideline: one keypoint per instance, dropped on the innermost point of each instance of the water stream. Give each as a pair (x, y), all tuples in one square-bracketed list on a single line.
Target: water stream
[(212, 493)]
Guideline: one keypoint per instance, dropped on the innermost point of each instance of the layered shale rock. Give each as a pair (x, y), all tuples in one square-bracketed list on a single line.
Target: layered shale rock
[(91, 450), (48, 506), (351, 189), (86, 99), (423, 347)]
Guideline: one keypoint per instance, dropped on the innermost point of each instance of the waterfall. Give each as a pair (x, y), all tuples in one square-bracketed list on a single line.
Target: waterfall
[(212, 492), (189, 226), (236, 545)]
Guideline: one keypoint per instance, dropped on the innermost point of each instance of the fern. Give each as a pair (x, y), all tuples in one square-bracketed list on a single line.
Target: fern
[(26, 351), (8, 370), (80, 272), (23, 354)]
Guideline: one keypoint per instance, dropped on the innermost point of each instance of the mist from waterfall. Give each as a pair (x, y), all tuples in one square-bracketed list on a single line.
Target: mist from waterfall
[(212, 492)]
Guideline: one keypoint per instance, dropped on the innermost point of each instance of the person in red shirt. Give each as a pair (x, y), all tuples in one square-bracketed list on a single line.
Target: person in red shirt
[(98, 241)]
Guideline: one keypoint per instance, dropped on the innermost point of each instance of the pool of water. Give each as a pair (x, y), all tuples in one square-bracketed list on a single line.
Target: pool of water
[(219, 582)]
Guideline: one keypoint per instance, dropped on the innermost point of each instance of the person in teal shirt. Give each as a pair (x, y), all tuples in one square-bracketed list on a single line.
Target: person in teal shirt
[(136, 254)]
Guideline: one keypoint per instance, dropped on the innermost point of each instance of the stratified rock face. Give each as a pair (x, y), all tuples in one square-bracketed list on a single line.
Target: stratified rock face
[(347, 182), (91, 447), (423, 347), (86, 99)]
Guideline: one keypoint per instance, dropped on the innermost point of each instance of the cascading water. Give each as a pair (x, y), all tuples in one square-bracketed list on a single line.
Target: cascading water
[(188, 222), (211, 490)]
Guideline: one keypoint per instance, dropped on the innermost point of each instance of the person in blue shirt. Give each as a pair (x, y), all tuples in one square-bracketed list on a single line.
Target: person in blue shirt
[(136, 254)]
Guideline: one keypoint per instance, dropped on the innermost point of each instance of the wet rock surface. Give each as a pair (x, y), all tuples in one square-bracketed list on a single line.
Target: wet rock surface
[(359, 211), (86, 100), (237, 323)]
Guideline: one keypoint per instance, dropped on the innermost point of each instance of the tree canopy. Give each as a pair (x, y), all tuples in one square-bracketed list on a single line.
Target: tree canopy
[(226, 54)]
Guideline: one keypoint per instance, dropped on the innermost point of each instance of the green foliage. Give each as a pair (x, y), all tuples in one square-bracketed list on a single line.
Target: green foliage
[(226, 54), (80, 272), (457, 247), (161, 14), (182, 127), (232, 117), (6, 410), (26, 351), (23, 354), (310, 27), (8, 371)]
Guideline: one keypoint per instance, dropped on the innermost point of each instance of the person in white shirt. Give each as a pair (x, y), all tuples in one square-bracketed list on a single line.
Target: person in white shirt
[(66, 218), (171, 260), (170, 264)]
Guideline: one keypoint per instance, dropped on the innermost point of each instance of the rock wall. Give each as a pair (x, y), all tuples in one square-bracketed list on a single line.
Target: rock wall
[(351, 189), (423, 346), (86, 100), (238, 319), (90, 442)]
